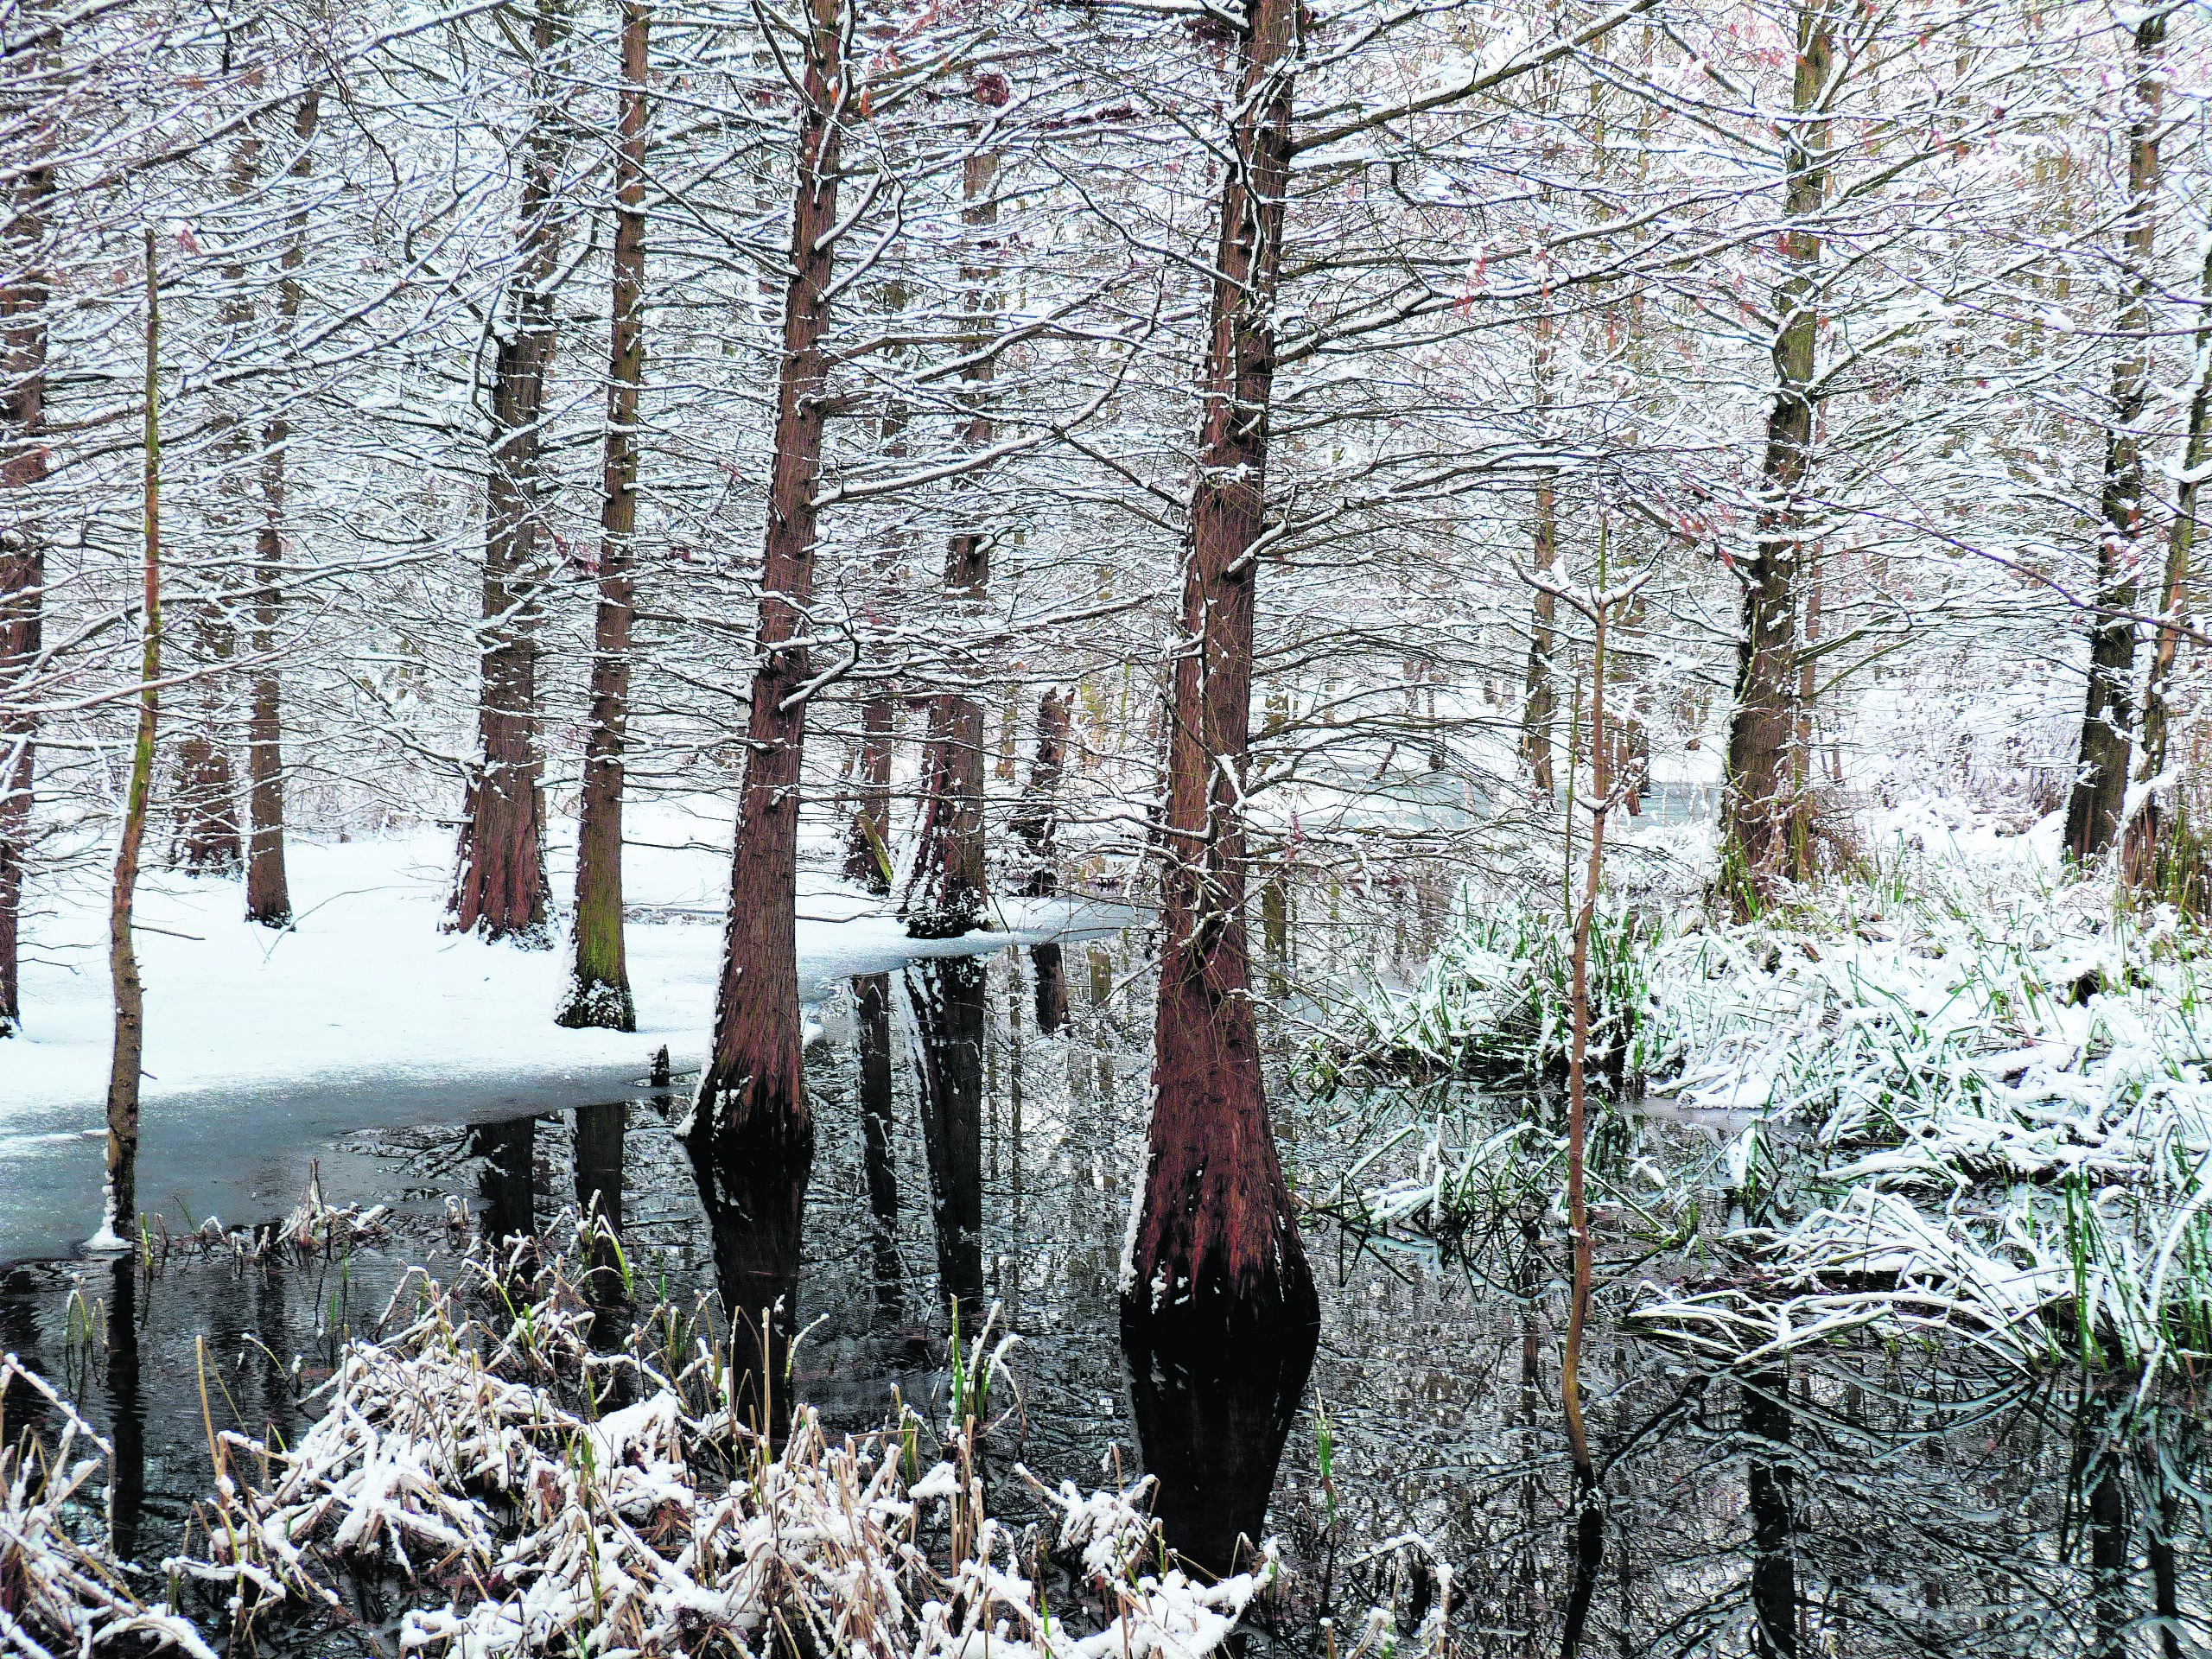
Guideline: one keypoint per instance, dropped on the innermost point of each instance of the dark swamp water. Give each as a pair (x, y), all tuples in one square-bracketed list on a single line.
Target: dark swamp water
[(978, 1127)]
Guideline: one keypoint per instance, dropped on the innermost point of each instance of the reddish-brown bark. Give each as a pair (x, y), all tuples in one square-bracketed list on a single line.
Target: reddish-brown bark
[(752, 1082), (499, 887), (268, 885), (599, 978), (1215, 1250), (23, 292)]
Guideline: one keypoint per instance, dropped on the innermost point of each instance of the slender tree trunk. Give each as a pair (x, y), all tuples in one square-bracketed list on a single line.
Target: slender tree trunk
[(599, 981), (1034, 825), (268, 884), (2142, 845), (123, 959), (499, 889), (1540, 701), (1761, 839), (2092, 810), (24, 288), (1589, 1515), (752, 1087), (949, 886), (1215, 1251), (867, 848)]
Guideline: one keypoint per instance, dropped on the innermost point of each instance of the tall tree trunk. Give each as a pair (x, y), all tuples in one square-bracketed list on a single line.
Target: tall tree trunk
[(126, 1061), (268, 884), (499, 889), (1762, 828), (24, 287), (1035, 824), (1540, 697), (208, 839), (1215, 1250), (2092, 810), (598, 981), (2143, 842), (948, 888), (751, 1088), (867, 854)]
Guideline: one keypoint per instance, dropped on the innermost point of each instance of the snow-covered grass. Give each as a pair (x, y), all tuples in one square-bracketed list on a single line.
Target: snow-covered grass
[(463, 1456), (1981, 1094), (61, 1591)]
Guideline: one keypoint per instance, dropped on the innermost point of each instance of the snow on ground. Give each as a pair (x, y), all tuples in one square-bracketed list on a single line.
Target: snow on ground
[(364, 1013)]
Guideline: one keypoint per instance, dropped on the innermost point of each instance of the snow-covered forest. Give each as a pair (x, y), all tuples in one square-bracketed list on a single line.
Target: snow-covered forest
[(1472, 734)]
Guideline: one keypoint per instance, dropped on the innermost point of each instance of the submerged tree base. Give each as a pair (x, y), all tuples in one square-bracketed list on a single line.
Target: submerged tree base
[(1212, 1419)]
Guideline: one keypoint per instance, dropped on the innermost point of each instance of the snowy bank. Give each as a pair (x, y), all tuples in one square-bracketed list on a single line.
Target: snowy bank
[(261, 1044)]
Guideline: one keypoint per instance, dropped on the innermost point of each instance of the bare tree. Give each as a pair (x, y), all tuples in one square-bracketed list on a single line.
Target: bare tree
[(599, 982), (2093, 808), (1216, 1247), (499, 889)]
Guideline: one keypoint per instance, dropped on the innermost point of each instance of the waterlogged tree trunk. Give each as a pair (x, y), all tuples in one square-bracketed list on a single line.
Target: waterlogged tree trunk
[(499, 889), (24, 288), (1034, 825), (949, 884), (1214, 1255), (751, 1091), (2092, 810), (2143, 844), (1763, 836), (129, 1000), (598, 979), (268, 884)]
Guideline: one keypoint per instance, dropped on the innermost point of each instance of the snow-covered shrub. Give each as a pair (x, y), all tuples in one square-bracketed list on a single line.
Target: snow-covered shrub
[(60, 1592), (1495, 1003), (462, 1456)]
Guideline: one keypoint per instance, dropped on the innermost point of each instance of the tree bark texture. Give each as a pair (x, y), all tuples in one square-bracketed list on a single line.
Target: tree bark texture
[(598, 981), (24, 288), (129, 994), (2143, 863), (753, 1080), (867, 854), (949, 886), (500, 890), (1214, 1250), (1036, 823), (2093, 809), (268, 882), (1762, 828)]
